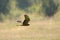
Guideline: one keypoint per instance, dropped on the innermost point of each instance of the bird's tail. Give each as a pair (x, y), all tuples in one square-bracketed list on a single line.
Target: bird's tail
[(19, 21)]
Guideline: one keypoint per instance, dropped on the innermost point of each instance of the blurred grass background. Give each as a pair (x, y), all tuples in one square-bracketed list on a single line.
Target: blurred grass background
[(44, 15), (13, 9)]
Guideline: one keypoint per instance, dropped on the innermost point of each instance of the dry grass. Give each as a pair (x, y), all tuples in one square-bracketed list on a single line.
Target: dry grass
[(38, 30)]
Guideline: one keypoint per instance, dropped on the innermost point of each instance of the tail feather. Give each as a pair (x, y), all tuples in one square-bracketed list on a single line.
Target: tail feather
[(19, 21)]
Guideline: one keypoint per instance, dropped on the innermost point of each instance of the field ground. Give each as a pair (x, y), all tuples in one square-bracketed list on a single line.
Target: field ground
[(38, 30)]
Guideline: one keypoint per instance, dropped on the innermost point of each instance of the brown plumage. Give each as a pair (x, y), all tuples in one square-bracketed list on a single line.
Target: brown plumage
[(26, 21)]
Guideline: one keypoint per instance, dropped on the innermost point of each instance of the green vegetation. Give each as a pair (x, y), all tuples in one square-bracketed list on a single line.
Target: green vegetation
[(44, 15), (12, 9)]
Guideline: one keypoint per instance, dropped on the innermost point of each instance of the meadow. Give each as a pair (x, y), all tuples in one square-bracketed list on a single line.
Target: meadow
[(46, 29), (44, 23)]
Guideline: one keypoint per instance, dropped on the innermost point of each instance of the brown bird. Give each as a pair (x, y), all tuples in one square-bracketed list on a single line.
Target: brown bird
[(26, 20)]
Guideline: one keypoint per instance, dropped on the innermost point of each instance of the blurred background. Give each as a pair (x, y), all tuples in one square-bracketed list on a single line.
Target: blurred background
[(44, 16), (36, 9)]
